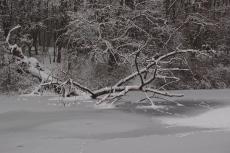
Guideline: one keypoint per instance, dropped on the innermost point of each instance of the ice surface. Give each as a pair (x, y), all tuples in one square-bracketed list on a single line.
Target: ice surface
[(32, 125), (217, 118)]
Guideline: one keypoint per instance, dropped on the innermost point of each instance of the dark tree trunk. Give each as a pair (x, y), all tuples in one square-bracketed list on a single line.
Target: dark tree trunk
[(35, 41), (58, 55), (44, 41), (36, 47), (29, 51), (54, 46)]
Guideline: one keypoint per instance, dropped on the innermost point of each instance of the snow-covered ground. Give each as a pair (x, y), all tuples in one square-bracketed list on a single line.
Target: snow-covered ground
[(42, 125)]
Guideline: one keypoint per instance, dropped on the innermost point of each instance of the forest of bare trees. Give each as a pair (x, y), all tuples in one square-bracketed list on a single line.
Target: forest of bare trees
[(110, 47)]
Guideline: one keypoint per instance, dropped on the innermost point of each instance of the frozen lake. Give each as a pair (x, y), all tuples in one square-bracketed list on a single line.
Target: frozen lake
[(199, 123)]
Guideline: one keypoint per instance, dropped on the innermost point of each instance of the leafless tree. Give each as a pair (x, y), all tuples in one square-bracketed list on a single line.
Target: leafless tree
[(154, 68)]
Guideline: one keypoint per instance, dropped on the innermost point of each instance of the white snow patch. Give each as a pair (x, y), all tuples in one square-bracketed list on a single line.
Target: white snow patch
[(33, 61), (217, 118), (154, 107), (86, 98), (105, 106), (29, 95)]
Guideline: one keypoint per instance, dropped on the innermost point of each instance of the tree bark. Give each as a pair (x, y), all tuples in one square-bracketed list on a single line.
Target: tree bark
[(58, 55)]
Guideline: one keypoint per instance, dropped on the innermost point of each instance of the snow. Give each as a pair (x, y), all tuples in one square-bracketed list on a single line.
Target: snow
[(105, 106), (217, 118), (86, 98), (33, 61), (154, 107), (32, 125)]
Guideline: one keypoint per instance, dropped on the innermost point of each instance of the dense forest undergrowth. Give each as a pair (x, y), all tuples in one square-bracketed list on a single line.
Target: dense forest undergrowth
[(99, 42)]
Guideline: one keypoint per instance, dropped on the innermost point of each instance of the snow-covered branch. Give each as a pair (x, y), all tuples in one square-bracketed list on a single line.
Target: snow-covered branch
[(154, 68)]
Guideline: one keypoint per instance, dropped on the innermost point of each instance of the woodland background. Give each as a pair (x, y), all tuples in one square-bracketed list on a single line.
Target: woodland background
[(91, 40)]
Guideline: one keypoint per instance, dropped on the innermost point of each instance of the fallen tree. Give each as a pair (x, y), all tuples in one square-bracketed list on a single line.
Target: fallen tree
[(154, 68)]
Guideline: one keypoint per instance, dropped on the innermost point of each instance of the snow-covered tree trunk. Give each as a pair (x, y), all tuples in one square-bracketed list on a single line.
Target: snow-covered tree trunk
[(153, 70), (34, 67)]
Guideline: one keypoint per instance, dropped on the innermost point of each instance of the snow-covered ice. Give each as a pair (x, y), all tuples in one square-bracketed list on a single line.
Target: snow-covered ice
[(216, 118), (32, 125)]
